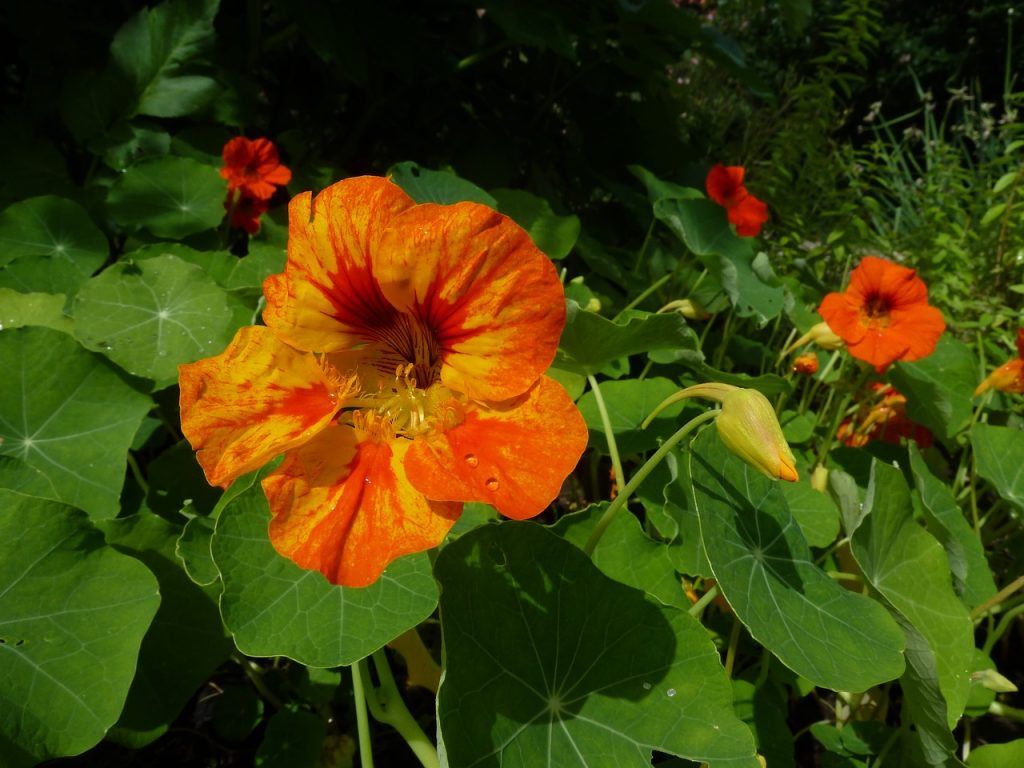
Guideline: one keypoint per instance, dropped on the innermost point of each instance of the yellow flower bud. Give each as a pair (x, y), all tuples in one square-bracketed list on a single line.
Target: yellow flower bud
[(821, 335), (819, 479), (688, 308), (747, 425), (750, 429)]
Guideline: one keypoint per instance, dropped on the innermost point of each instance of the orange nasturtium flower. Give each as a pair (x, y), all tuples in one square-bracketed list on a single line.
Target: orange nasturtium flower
[(252, 167), (884, 418), (724, 184), (401, 372), (806, 364), (245, 212), (1008, 377), (884, 314)]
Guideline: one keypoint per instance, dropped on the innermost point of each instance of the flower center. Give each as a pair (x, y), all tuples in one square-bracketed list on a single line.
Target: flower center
[(407, 343), (875, 311)]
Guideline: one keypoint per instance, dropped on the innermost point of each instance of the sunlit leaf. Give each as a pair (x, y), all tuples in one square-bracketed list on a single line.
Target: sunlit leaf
[(551, 663), (426, 186), (909, 569), (999, 452), (834, 638), (590, 341), (150, 316), (69, 415), (72, 615), (275, 608), (938, 388), (972, 576), (20, 309), (628, 403)]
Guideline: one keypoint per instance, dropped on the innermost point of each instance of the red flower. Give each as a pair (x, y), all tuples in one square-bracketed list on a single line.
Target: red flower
[(883, 417), (252, 166), (1008, 377), (725, 186), (246, 212), (884, 315)]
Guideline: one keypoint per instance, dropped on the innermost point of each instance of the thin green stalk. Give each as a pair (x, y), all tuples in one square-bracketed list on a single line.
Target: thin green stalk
[(641, 474), (997, 598), (1004, 624), (362, 721), (137, 473), (643, 248), (609, 434), (734, 641), (647, 292), (387, 706), (698, 608), (255, 675)]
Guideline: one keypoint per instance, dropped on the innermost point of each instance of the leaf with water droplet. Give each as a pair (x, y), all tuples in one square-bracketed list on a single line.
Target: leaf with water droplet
[(151, 316)]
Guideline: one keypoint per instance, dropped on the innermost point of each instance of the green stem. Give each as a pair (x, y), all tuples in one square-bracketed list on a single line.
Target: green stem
[(734, 641), (255, 674), (386, 706), (697, 608), (137, 473), (1005, 710), (1004, 624), (362, 721), (647, 292), (609, 434), (641, 474), (643, 248), (997, 598)]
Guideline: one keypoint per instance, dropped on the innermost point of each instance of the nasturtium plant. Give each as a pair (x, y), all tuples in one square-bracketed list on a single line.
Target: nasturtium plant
[(531, 384)]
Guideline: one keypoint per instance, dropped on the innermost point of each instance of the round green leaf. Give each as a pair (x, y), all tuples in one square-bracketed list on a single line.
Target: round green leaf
[(68, 414), (553, 234), (73, 615), (275, 608), (552, 663), (20, 309), (49, 245), (836, 638), (152, 315), (170, 196), (1000, 455), (426, 186)]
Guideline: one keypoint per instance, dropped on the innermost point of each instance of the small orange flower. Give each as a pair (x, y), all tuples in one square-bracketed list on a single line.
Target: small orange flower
[(1008, 377), (253, 167), (401, 372), (806, 365), (882, 417), (884, 315), (725, 186)]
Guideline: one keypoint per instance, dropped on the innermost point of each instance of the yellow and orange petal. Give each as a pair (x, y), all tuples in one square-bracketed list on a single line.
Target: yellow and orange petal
[(252, 402), (806, 365), (1008, 377), (513, 455), (342, 505), (253, 166), (884, 315), (477, 283), (328, 299)]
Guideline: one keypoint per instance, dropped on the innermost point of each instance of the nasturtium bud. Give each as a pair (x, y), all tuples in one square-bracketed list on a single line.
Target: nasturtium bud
[(750, 429), (688, 308), (747, 425), (821, 335), (819, 478)]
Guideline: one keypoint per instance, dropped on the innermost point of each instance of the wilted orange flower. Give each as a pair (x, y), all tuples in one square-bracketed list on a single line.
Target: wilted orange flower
[(882, 417), (401, 374), (884, 315), (806, 365), (724, 185), (253, 167), (245, 212), (1008, 377)]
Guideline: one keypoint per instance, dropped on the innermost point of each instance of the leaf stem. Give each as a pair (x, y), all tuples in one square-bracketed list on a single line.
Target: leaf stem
[(137, 474), (698, 608), (362, 721), (997, 598), (386, 706), (609, 434), (641, 474), (647, 292)]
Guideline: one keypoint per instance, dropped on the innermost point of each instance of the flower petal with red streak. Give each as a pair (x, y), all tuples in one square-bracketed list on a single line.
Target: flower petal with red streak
[(491, 297), (514, 455), (328, 299), (252, 402), (342, 505)]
